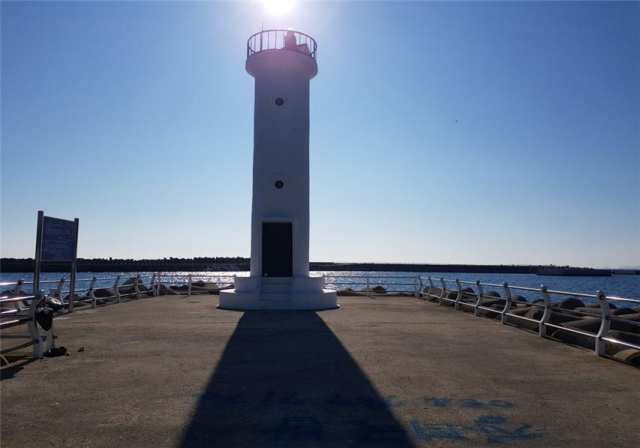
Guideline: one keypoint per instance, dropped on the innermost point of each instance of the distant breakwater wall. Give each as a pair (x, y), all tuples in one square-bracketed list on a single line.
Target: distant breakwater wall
[(84, 265), (243, 264)]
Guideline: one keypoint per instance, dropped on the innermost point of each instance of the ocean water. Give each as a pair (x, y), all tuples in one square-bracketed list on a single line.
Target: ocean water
[(627, 286)]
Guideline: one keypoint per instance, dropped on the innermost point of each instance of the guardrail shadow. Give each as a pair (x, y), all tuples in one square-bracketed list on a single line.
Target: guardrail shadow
[(285, 379), (16, 364)]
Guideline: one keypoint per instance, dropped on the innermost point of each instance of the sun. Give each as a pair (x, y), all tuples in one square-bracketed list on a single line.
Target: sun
[(278, 7)]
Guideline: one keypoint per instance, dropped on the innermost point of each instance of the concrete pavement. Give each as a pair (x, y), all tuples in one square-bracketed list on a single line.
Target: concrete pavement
[(383, 371)]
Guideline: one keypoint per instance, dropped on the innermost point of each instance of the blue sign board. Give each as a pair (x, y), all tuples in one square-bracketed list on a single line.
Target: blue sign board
[(59, 239)]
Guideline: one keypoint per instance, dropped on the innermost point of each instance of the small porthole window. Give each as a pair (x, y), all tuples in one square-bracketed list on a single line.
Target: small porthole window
[(278, 184), (279, 101)]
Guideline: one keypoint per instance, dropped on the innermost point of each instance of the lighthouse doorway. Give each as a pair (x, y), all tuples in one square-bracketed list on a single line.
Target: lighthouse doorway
[(277, 249)]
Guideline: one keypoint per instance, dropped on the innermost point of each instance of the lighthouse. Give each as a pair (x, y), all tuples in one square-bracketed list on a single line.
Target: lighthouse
[(283, 62)]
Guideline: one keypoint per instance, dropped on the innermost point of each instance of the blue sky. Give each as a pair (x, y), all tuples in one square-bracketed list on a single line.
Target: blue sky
[(444, 132)]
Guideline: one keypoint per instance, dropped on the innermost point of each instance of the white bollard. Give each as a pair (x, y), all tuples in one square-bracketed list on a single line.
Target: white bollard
[(605, 324), (92, 294), (115, 288)]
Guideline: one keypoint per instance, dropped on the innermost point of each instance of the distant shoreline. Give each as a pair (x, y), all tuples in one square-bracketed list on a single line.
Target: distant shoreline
[(12, 265)]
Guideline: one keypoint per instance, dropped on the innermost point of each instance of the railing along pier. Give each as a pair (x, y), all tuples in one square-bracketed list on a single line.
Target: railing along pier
[(476, 300), (505, 301)]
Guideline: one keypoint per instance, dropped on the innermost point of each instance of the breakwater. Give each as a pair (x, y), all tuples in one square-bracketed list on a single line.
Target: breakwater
[(575, 272), (242, 264), (123, 265)]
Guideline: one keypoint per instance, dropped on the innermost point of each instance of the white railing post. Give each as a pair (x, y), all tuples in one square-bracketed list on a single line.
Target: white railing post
[(34, 334), (547, 312), (507, 303), (430, 287), (421, 286), (152, 285), (189, 283), (92, 294), (158, 284), (479, 293), (137, 286), (58, 292), (367, 283), (16, 291), (605, 324), (117, 289), (444, 290), (459, 296), (18, 287), (49, 337)]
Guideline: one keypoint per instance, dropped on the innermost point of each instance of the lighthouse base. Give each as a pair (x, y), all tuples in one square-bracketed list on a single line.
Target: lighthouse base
[(278, 293)]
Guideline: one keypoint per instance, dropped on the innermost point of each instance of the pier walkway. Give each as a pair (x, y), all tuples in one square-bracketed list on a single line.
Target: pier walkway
[(383, 371)]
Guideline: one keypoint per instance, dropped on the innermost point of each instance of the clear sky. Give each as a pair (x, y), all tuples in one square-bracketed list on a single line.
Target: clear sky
[(450, 132)]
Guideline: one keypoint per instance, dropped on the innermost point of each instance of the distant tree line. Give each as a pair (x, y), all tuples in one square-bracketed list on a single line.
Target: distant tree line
[(118, 265), (242, 264)]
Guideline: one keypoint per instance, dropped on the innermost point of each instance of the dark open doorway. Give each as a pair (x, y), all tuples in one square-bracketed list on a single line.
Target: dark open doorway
[(277, 249)]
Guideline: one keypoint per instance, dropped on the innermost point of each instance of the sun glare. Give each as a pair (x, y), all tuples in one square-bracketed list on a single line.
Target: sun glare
[(278, 7)]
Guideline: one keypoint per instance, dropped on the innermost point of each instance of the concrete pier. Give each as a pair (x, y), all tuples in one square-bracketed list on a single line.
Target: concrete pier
[(383, 371)]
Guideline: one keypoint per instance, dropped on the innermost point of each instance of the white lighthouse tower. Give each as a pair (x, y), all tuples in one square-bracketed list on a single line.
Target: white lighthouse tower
[(283, 62)]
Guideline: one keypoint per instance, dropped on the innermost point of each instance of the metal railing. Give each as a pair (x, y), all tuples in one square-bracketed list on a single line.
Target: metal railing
[(390, 284), (19, 307), (281, 40), (479, 297), (92, 292), (452, 291), (135, 287), (22, 310)]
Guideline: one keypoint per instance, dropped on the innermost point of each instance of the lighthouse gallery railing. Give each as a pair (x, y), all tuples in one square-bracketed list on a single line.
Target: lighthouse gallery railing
[(275, 40)]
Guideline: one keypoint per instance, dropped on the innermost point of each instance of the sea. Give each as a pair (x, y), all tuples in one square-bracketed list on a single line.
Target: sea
[(625, 286)]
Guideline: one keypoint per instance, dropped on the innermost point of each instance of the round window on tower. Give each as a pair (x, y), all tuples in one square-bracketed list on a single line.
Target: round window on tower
[(279, 101), (278, 184)]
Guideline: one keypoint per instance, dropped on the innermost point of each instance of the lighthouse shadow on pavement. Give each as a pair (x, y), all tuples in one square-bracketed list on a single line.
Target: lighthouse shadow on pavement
[(285, 379)]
